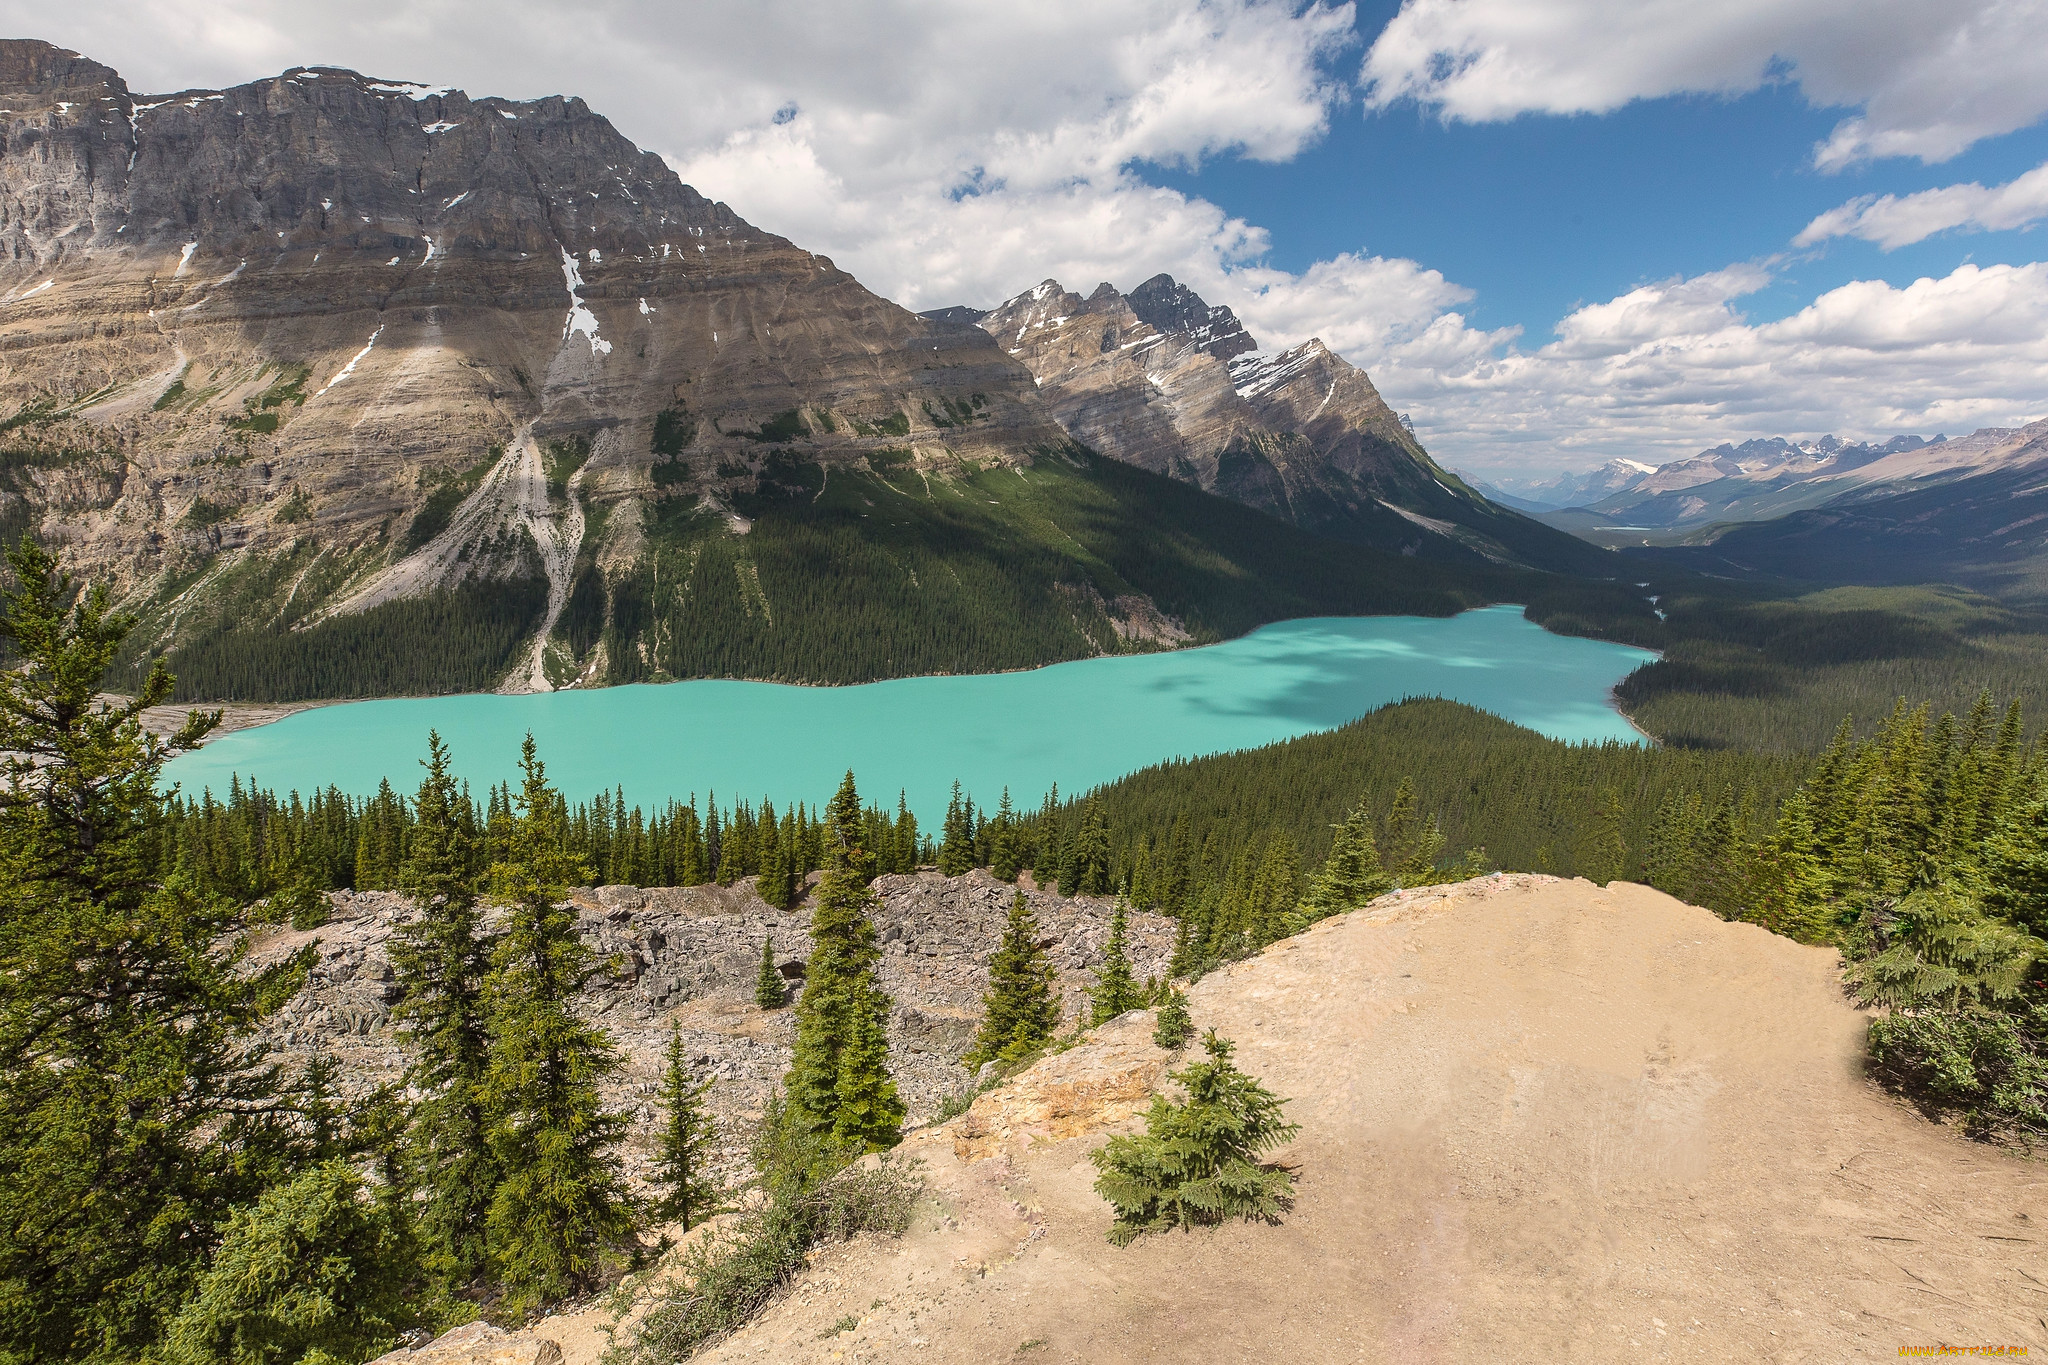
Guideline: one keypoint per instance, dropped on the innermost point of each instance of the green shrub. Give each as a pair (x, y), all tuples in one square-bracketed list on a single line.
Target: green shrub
[(316, 1273), (1986, 1066), (1198, 1162)]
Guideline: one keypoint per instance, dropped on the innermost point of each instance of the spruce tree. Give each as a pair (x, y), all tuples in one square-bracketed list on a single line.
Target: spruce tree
[(682, 1171), (2016, 868), (442, 961), (1605, 857), (1351, 876), (1021, 1010), (841, 1055), (956, 851), (770, 991), (1198, 1162), (868, 1116), (137, 1106), (1003, 860), (1173, 1027), (1116, 989), (561, 1200)]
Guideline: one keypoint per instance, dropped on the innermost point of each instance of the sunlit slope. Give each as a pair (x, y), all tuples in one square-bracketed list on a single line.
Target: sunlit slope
[(1540, 1121)]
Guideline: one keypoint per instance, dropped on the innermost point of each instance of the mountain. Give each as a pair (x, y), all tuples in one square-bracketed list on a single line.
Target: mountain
[(353, 386), (1162, 380), (1755, 480), (1573, 490), (1972, 511)]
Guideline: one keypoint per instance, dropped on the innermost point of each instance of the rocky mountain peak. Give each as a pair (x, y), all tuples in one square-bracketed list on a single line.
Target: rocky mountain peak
[(1160, 379), (287, 320), (1173, 307)]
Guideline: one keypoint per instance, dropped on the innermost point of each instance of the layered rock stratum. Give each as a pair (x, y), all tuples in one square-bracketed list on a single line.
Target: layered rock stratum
[(1161, 379), (289, 357), (264, 325)]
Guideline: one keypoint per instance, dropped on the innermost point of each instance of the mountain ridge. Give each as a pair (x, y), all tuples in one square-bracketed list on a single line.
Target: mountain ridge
[(1161, 379), (323, 368)]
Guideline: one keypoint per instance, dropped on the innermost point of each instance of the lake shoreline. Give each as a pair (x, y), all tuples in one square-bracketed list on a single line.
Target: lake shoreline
[(1076, 723), (164, 721)]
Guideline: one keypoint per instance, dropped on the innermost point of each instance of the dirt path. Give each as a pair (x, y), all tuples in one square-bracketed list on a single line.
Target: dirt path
[(1541, 1121)]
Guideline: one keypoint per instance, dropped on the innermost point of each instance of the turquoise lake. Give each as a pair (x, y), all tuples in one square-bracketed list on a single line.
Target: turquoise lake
[(1077, 724)]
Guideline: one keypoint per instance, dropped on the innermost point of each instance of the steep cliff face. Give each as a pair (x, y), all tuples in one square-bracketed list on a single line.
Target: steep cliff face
[(1160, 379), (316, 344)]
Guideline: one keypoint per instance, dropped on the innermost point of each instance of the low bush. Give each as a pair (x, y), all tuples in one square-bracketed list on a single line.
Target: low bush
[(810, 1191)]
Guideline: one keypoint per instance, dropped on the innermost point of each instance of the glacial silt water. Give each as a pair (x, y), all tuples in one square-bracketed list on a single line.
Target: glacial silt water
[(1077, 724)]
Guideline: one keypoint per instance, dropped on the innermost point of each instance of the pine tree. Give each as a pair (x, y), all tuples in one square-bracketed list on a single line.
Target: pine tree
[(1021, 1010), (1086, 870), (770, 991), (561, 1200), (1049, 852), (956, 849), (773, 882), (442, 961), (1116, 989), (315, 1270), (688, 1134), (1351, 876), (1003, 860), (1605, 857), (869, 1114), (136, 1105), (838, 1079), (1198, 1162)]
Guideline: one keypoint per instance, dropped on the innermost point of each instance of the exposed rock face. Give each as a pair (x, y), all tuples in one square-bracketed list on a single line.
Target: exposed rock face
[(251, 332), (1160, 379), (688, 956)]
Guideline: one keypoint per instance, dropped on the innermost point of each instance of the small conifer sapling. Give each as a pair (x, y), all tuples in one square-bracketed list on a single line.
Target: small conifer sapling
[(1198, 1163), (689, 1194), (769, 991), (1174, 1027)]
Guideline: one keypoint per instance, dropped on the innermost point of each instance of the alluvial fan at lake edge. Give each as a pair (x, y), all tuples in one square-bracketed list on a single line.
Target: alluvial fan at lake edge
[(1077, 724)]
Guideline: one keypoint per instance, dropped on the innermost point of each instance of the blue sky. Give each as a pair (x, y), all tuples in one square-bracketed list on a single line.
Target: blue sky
[(1544, 213), (1553, 231)]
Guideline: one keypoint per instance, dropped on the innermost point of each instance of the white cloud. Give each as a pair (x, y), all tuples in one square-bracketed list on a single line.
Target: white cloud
[(950, 153), (1893, 221), (1930, 78), (1674, 367)]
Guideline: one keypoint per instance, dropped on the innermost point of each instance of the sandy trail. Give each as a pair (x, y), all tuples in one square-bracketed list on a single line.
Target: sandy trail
[(1541, 1121)]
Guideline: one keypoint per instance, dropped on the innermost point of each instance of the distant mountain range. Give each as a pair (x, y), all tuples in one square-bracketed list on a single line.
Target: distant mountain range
[(1972, 511), (1757, 478), (354, 385)]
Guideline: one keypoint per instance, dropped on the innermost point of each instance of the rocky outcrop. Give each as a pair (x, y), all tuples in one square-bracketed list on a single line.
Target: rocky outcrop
[(1160, 379), (324, 341), (688, 957)]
